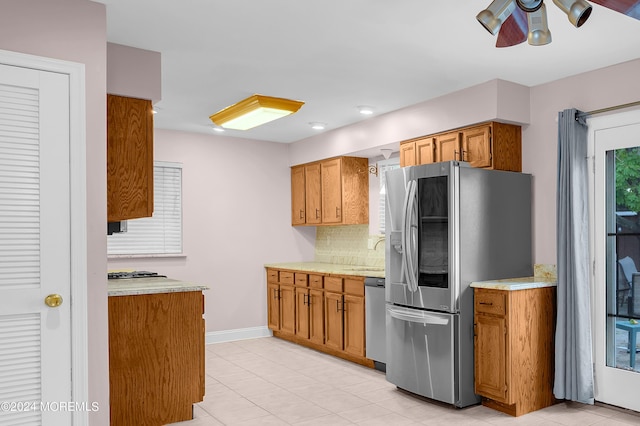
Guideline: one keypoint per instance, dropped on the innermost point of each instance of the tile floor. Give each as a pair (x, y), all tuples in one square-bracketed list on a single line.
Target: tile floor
[(269, 381)]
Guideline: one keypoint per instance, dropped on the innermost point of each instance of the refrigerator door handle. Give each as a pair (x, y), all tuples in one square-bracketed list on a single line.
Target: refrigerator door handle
[(410, 237), (421, 318)]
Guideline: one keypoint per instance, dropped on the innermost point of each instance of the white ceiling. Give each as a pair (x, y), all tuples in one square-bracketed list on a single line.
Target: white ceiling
[(338, 54)]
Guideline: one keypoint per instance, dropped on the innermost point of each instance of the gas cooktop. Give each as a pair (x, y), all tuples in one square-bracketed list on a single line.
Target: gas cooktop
[(133, 274)]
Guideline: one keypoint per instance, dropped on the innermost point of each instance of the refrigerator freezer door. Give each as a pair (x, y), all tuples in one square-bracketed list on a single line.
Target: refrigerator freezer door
[(420, 352)]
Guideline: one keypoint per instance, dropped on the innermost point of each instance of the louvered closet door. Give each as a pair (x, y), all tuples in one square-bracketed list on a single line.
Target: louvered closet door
[(35, 340)]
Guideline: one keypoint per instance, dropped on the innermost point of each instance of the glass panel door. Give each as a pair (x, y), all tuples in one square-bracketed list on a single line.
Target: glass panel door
[(614, 143), (622, 195)]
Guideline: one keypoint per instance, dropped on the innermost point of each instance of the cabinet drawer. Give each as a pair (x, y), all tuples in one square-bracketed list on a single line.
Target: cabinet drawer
[(490, 302), (333, 284), (286, 277), (355, 287), (315, 281), (301, 279), (272, 276)]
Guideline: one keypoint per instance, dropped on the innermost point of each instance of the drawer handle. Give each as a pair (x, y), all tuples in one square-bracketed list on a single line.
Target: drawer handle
[(301, 214), (317, 213), (486, 303)]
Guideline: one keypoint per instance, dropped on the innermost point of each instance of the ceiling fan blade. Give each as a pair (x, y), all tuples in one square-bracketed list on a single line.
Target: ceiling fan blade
[(514, 29), (627, 7)]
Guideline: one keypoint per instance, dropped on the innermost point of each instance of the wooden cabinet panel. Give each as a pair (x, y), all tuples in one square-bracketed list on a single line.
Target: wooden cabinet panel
[(354, 328), (129, 158), (331, 191), (313, 193), (354, 286), (407, 154), (333, 320), (425, 151), (287, 309), (298, 212), (316, 316), (302, 312), (156, 357), (315, 281), (448, 146), (333, 284), (476, 146), (491, 358), (273, 306)]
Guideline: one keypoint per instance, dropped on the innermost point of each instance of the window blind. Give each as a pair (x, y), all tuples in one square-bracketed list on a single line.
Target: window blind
[(161, 233), (383, 168)]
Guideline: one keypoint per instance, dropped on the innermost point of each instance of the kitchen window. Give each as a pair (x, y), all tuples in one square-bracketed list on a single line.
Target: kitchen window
[(160, 234), (383, 167)]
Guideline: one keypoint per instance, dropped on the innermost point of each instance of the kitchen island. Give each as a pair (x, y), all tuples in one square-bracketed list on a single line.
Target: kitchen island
[(156, 350)]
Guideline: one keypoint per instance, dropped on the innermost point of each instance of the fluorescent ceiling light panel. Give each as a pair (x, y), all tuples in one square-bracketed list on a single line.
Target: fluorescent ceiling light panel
[(254, 111)]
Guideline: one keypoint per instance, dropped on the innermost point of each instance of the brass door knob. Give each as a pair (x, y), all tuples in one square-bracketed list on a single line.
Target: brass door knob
[(53, 300)]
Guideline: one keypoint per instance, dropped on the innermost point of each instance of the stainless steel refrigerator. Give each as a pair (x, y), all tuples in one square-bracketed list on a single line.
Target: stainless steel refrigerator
[(447, 225)]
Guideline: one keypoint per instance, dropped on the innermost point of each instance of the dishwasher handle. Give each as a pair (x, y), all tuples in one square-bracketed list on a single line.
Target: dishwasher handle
[(420, 318)]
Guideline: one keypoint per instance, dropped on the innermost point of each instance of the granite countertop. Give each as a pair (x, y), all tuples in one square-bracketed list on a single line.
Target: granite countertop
[(150, 285), (523, 283), (331, 268)]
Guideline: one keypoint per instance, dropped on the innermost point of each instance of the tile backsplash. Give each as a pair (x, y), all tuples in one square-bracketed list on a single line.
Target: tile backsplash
[(349, 245)]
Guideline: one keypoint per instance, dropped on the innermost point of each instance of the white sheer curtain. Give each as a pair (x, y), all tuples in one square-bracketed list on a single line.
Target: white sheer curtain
[(574, 364)]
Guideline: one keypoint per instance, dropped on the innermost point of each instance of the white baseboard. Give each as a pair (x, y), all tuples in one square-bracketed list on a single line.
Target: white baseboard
[(238, 334)]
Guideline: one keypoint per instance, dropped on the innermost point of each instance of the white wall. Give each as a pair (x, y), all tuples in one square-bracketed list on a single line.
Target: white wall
[(75, 30), (236, 218)]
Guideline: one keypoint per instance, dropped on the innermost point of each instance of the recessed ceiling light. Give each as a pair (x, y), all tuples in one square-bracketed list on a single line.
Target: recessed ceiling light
[(217, 129), (365, 110), (318, 126)]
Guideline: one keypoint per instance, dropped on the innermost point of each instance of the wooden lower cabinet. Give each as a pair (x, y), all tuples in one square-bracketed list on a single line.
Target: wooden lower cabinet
[(514, 348), (328, 313), (156, 357)]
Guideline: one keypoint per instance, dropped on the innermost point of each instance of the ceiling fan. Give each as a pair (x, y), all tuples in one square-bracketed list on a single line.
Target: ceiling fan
[(518, 20)]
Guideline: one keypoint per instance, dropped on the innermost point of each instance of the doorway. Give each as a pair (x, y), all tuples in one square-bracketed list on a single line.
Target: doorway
[(614, 145)]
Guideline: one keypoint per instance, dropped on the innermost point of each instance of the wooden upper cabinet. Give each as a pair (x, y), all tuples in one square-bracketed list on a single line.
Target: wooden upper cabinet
[(476, 146), (331, 191), (490, 145), (425, 151), (129, 158), (313, 193), (336, 192), (448, 146), (297, 195), (408, 154)]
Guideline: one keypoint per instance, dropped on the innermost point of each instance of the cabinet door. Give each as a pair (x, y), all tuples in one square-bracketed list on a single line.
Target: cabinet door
[(354, 331), (287, 309), (407, 154), (476, 146), (448, 146), (491, 357), (273, 306), (316, 316), (333, 320), (297, 196), (302, 312), (425, 151), (331, 178), (129, 158), (313, 203)]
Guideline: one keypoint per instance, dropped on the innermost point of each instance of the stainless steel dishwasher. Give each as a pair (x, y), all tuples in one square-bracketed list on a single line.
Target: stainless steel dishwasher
[(375, 317)]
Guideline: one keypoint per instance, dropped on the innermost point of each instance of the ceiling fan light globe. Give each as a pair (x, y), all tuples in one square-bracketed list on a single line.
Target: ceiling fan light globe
[(578, 11), (493, 16)]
